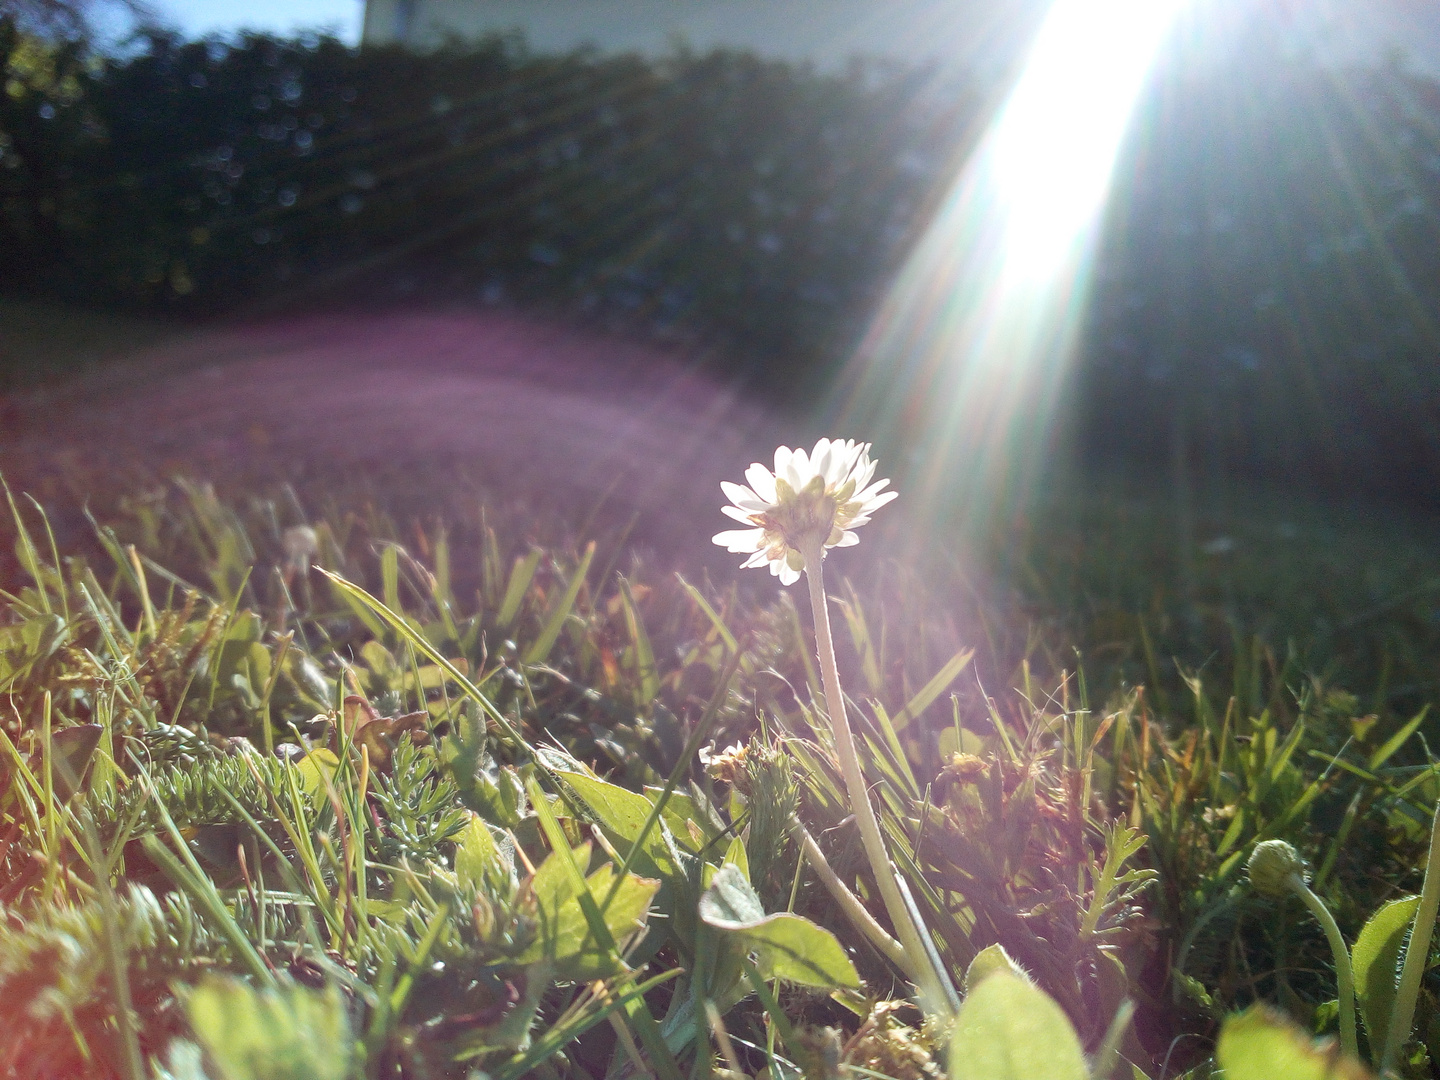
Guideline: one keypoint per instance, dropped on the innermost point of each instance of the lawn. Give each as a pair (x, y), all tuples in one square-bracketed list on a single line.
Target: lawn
[(335, 789)]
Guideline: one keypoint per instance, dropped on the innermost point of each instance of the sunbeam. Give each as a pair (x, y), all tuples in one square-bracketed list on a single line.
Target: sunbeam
[(963, 364)]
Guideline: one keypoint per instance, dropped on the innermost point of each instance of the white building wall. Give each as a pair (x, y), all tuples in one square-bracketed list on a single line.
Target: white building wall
[(983, 36), (825, 32)]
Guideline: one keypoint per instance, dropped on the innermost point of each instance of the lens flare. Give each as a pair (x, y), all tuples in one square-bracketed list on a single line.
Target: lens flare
[(964, 363)]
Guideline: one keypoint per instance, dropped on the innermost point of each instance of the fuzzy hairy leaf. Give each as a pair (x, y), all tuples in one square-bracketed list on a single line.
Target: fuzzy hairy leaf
[(730, 903), (787, 946), (624, 813), (1260, 1044), (988, 961), (793, 948), (1376, 958), (1010, 1030)]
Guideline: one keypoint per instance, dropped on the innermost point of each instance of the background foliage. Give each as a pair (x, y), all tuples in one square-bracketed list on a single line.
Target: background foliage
[(754, 199), (1265, 298)]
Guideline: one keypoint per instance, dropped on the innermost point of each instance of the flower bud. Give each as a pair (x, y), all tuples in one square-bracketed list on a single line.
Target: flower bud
[(301, 543), (1271, 866)]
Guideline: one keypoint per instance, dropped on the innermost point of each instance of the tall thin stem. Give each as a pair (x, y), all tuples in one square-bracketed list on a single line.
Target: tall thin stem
[(933, 983), (1417, 954), (1344, 976)]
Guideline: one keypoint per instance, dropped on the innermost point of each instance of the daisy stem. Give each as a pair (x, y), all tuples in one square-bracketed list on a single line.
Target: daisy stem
[(931, 980), (1344, 974)]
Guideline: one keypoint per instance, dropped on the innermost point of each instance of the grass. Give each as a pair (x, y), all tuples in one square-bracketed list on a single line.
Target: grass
[(411, 802), (1352, 587), (41, 339)]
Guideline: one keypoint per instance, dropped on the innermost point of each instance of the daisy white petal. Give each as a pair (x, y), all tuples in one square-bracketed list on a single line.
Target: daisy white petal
[(738, 540), (762, 482), (824, 498), (822, 459), (873, 490), (742, 497), (797, 470)]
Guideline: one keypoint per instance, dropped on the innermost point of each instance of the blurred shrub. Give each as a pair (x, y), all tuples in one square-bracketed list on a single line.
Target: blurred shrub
[(756, 200), (1269, 289)]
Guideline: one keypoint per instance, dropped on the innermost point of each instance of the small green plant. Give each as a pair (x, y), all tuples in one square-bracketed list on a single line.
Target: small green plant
[(1386, 1002), (284, 1033), (1276, 869), (398, 833)]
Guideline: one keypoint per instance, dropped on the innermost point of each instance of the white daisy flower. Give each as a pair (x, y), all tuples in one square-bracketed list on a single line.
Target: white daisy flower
[(810, 499)]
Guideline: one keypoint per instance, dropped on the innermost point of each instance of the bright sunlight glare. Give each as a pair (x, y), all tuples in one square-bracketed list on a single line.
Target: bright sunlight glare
[(964, 362), (1047, 163)]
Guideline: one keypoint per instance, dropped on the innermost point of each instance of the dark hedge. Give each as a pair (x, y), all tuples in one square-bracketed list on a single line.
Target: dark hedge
[(753, 201), (1269, 290)]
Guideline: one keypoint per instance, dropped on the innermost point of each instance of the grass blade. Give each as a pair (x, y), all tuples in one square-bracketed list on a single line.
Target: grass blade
[(539, 650)]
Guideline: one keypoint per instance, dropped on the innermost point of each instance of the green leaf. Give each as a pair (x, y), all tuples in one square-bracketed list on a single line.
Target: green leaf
[(70, 754), (390, 577), (644, 652), (1260, 1044), (360, 600), (1233, 832), (1398, 740), (933, 689), (859, 628), (619, 809), (286, 1034), (735, 855), (988, 961), (1010, 1030), (379, 660), (484, 860), (1111, 885), (899, 762), (710, 613), (359, 610), (315, 768), (793, 948), (521, 574), (624, 813), (691, 827), (514, 1030), (564, 936), (662, 1059), (391, 911), (730, 903), (788, 947), (1375, 959)]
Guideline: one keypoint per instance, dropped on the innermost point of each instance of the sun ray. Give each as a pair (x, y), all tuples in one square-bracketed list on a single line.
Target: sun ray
[(964, 363)]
